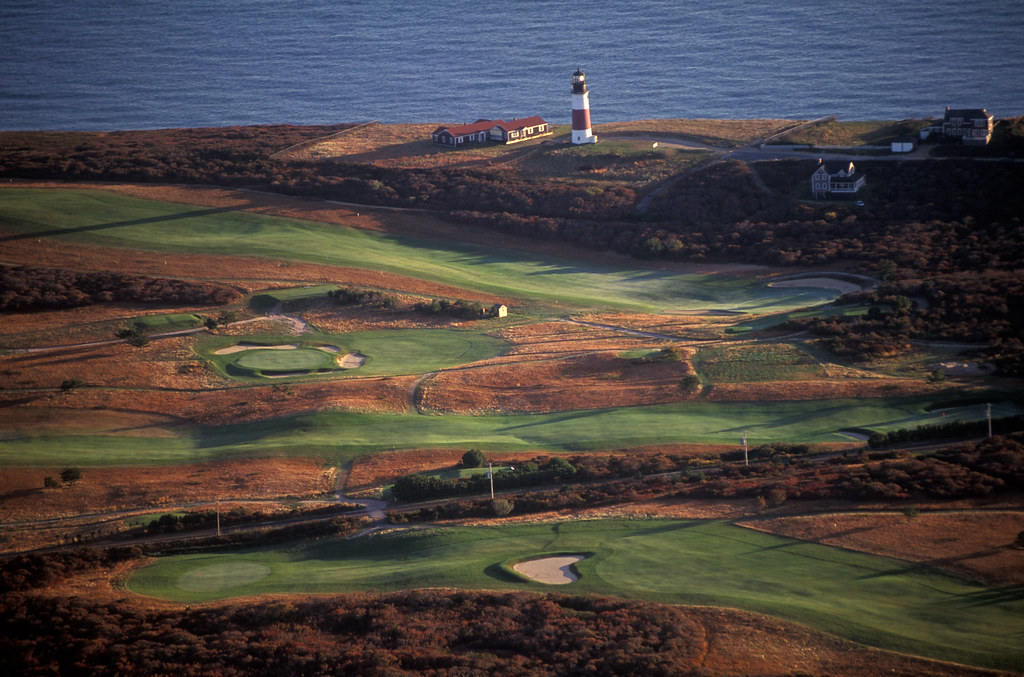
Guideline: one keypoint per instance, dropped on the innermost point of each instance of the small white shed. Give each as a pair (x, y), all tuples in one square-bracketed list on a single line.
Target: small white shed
[(903, 144)]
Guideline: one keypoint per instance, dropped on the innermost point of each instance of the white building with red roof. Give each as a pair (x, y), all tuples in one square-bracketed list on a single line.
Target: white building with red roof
[(500, 131)]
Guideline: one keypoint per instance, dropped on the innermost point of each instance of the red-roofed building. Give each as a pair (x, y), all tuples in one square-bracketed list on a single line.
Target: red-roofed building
[(500, 131)]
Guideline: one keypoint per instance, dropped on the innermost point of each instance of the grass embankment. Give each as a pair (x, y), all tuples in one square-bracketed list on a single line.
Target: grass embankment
[(617, 160), (117, 221), (874, 600), (268, 300), (755, 362), (161, 324), (853, 133), (725, 133), (341, 436)]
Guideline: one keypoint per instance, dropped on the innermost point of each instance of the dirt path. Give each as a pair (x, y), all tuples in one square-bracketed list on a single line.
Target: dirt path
[(413, 392), (643, 334)]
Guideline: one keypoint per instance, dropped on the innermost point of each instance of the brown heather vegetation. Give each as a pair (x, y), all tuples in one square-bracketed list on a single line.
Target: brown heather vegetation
[(23, 497), (591, 381), (424, 632)]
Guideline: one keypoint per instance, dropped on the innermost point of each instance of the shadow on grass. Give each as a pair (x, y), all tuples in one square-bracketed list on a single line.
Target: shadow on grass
[(499, 573), (120, 224)]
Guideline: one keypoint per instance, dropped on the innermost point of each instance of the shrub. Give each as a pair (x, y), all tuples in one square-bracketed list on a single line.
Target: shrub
[(70, 475), (690, 383), (502, 506), (473, 458)]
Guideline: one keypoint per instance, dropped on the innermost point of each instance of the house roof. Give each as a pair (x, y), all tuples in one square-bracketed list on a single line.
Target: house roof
[(520, 123), (844, 167), (462, 130), (967, 113)]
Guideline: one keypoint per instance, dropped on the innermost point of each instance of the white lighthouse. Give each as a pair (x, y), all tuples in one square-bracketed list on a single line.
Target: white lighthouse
[(581, 110)]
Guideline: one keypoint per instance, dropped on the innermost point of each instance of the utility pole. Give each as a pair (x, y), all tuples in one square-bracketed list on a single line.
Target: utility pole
[(746, 460), (218, 519), (988, 415), (490, 476)]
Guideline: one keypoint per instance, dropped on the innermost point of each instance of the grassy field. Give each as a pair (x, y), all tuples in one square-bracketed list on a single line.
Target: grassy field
[(341, 436), (116, 221), (387, 353), (877, 601), (611, 160), (853, 133), (768, 321), (265, 301), (755, 362), (725, 133)]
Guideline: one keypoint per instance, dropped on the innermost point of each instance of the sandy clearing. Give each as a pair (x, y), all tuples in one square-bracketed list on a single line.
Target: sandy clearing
[(841, 286), (550, 570), (241, 347)]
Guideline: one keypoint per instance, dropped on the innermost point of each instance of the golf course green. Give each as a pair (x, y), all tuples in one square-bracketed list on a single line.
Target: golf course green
[(874, 600), (385, 353)]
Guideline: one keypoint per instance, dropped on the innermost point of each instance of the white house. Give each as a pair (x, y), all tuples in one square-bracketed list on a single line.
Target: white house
[(844, 181)]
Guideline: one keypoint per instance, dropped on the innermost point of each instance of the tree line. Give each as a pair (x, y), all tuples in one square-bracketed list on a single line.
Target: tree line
[(966, 470), (25, 288)]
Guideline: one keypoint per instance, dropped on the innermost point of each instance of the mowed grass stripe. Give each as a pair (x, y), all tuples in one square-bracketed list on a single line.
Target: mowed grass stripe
[(340, 436), (878, 601), (119, 221)]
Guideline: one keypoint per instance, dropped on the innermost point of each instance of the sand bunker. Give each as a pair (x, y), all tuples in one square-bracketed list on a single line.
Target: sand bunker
[(249, 346), (840, 286), (550, 570), (351, 361)]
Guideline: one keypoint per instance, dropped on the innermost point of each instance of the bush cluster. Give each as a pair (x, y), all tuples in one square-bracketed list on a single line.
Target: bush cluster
[(358, 634), (29, 288)]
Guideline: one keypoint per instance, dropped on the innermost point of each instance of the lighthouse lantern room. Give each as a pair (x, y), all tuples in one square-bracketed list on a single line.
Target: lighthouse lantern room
[(581, 110)]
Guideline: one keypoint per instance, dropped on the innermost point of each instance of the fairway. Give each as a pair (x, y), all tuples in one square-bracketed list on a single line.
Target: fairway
[(339, 436), (112, 220), (874, 600)]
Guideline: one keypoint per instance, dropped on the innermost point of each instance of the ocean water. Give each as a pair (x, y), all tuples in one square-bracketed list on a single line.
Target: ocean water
[(139, 64)]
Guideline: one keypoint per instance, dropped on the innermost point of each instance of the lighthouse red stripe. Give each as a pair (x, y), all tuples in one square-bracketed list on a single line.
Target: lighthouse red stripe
[(580, 119)]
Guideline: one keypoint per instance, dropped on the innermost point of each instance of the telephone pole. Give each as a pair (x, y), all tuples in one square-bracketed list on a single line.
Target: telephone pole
[(746, 460), (490, 476), (988, 415)]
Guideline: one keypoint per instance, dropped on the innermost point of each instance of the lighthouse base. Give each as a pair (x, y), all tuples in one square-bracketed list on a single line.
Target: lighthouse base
[(583, 136)]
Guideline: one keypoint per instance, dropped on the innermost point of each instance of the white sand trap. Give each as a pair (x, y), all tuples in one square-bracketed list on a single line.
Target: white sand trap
[(351, 361), (330, 349), (550, 570), (244, 346), (841, 286)]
